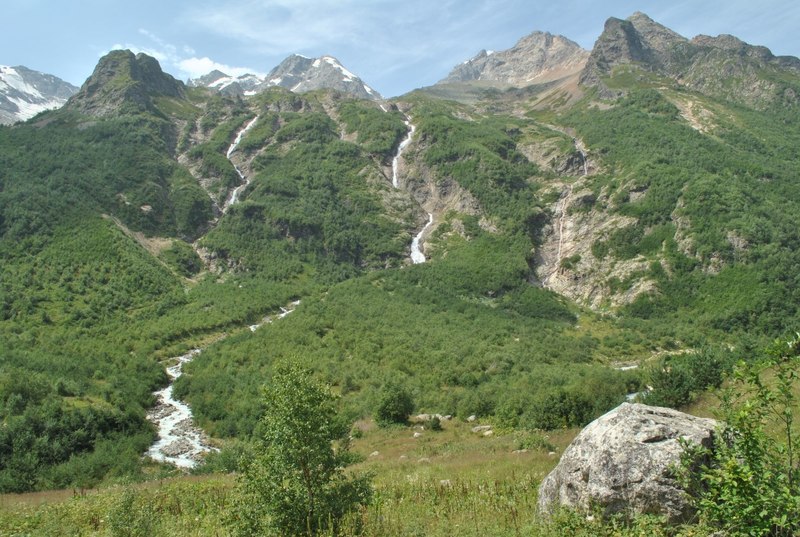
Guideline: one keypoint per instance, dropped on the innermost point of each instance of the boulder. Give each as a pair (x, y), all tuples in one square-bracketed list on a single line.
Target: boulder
[(624, 461)]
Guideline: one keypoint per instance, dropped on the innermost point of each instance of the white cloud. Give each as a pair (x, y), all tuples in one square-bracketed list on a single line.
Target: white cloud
[(197, 67)]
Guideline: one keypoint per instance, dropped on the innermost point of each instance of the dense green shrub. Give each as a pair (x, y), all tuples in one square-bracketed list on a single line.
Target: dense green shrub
[(749, 483), (394, 405)]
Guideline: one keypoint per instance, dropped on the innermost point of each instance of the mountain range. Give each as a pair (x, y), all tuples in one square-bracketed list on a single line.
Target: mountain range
[(296, 73), (507, 243)]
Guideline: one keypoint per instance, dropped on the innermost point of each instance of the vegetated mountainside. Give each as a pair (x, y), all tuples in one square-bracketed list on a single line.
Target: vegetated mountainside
[(25, 92), (569, 230)]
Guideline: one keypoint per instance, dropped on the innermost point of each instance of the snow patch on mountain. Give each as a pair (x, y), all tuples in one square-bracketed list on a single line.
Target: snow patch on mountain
[(25, 93)]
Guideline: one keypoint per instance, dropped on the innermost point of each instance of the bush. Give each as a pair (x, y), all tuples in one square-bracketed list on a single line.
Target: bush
[(395, 405), (750, 483)]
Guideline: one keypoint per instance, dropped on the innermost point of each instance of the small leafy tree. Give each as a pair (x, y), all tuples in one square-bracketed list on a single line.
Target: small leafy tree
[(296, 484), (750, 483)]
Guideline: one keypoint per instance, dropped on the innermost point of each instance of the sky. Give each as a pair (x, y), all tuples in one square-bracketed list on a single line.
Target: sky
[(394, 46)]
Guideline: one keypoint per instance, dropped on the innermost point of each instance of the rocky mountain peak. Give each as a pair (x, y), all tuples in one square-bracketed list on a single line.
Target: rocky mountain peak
[(722, 66), (300, 74), (296, 73), (124, 81), (25, 92), (538, 57), (636, 40)]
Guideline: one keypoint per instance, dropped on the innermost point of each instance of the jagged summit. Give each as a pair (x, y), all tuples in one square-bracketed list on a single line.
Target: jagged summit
[(635, 40), (722, 66), (299, 74), (296, 73), (538, 57), (25, 92), (124, 82)]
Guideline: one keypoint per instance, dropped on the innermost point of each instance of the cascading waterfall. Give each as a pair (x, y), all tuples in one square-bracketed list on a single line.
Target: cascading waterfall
[(234, 195), (416, 250), (180, 442), (400, 149)]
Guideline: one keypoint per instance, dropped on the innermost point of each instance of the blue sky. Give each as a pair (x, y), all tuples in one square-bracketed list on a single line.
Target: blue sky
[(395, 46)]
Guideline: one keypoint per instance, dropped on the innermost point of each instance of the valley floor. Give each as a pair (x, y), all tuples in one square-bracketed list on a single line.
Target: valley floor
[(439, 483)]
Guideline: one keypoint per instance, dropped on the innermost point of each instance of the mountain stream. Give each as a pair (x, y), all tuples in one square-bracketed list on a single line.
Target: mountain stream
[(180, 441)]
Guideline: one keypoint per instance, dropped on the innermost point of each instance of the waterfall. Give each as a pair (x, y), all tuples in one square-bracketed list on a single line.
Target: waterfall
[(234, 195)]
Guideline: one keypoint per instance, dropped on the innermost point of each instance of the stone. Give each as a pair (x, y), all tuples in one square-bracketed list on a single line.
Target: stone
[(417, 435), (374, 453), (624, 461), (481, 428), (472, 418)]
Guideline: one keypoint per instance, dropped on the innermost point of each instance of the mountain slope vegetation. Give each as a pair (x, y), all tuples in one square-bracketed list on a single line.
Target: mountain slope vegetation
[(145, 219)]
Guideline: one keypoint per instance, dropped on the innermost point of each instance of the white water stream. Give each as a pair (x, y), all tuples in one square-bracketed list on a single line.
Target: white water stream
[(180, 442), (400, 149), (416, 252), (234, 195)]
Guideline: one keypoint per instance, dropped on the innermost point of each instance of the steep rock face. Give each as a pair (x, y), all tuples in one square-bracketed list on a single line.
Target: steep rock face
[(25, 92), (124, 82), (623, 461), (538, 57), (636, 40), (722, 66)]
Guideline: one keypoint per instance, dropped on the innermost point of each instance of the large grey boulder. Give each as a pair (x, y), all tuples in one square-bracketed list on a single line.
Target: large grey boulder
[(623, 462)]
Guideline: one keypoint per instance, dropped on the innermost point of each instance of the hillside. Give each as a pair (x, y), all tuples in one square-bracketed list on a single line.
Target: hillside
[(573, 215)]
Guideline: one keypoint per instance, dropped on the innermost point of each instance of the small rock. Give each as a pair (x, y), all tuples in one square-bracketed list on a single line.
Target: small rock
[(374, 454), (423, 460), (417, 435), (519, 451), (481, 428), (445, 483), (488, 433), (551, 453), (423, 417), (472, 418), (403, 457)]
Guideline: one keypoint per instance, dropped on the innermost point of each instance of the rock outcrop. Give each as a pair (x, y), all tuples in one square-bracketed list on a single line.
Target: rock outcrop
[(623, 462), (124, 82)]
